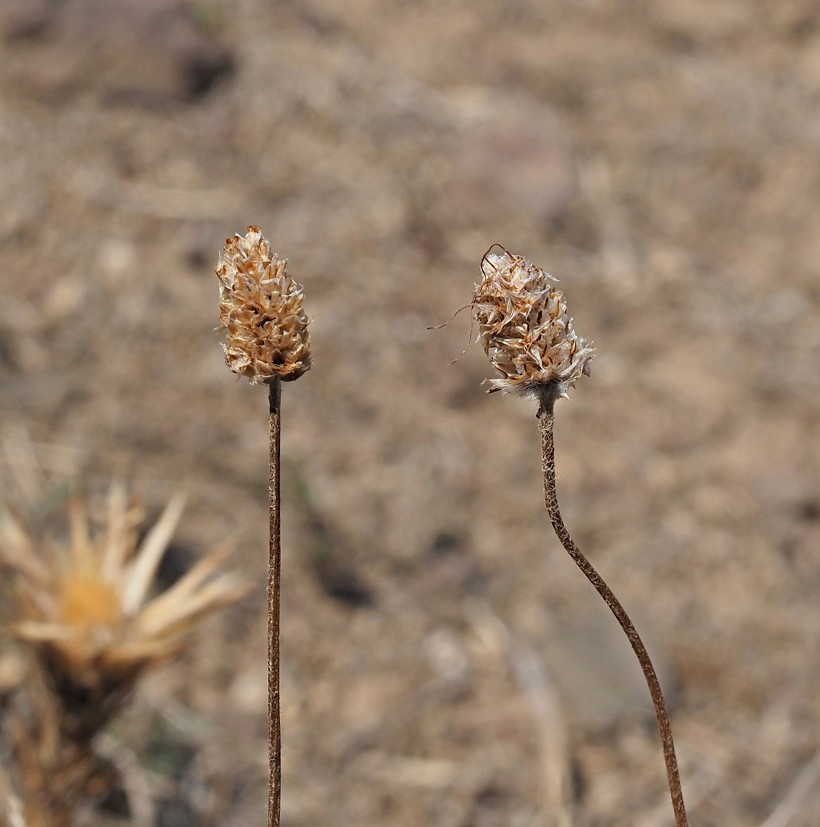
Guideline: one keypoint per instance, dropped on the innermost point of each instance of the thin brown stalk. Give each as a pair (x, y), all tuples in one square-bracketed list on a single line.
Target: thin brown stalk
[(261, 309), (274, 579), (545, 424)]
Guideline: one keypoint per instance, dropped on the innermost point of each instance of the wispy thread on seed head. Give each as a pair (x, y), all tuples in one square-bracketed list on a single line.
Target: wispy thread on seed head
[(525, 329), (261, 309)]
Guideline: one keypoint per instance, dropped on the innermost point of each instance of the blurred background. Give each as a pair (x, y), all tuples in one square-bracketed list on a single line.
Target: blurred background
[(444, 663)]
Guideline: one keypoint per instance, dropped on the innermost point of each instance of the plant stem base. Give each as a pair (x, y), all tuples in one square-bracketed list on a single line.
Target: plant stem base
[(546, 420), (274, 579)]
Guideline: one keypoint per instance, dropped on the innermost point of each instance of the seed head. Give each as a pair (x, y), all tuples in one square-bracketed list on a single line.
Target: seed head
[(260, 307), (525, 330), (85, 608)]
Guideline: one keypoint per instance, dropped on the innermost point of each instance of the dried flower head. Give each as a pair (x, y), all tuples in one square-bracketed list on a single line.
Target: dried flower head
[(525, 330), (260, 307), (84, 607)]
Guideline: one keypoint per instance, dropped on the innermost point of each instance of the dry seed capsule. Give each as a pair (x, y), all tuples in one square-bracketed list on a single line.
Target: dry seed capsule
[(525, 330), (261, 309)]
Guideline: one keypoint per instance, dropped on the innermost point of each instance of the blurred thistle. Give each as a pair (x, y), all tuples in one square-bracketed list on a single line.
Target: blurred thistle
[(530, 340), (260, 307), (84, 609), (525, 330)]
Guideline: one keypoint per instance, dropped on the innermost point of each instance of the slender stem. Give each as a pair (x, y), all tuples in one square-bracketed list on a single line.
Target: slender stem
[(274, 578), (545, 425)]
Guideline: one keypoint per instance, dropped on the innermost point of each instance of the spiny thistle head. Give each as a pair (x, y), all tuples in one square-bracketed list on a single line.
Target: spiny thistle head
[(260, 307), (84, 606), (525, 330)]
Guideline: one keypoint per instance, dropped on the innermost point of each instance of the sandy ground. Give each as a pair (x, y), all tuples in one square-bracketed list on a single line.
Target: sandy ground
[(444, 664)]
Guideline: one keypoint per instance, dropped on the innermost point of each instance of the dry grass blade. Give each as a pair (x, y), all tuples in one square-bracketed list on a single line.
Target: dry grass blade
[(149, 555), (794, 802), (119, 531)]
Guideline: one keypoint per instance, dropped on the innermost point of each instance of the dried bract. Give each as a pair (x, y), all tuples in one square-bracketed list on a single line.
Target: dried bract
[(260, 307), (525, 330)]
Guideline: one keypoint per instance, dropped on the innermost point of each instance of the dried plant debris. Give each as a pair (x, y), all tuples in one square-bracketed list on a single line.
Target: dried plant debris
[(84, 607)]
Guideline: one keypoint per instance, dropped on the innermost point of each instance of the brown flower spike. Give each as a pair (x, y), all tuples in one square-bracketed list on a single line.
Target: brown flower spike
[(260, 307), (528, 336), (525, 330)]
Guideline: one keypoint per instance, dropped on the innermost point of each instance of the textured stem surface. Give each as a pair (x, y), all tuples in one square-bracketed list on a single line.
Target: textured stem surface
[(274, 576), (545, 425)]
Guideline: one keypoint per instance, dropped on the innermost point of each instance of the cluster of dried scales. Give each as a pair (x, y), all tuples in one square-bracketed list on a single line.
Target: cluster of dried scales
[(261, 310), (525, 329)]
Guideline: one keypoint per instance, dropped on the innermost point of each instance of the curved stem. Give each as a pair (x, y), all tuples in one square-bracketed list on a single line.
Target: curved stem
[(545, 426), (274, 575)]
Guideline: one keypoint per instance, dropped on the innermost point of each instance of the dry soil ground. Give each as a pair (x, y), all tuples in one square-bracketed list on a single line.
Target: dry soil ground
[(444, 664)]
